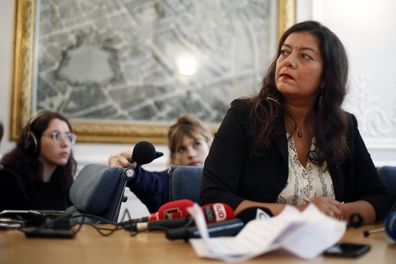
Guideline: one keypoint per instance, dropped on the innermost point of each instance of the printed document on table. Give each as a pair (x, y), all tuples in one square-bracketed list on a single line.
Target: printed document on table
[(306, 234)]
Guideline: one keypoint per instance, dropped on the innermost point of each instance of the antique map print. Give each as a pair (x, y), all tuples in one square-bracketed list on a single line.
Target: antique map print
[(122, 60)]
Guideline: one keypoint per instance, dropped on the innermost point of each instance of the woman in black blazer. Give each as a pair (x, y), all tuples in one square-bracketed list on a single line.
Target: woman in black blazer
[(292, 143)]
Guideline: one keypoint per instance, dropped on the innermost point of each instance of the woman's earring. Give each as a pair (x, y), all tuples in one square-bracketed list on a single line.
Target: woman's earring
[(320, 101)]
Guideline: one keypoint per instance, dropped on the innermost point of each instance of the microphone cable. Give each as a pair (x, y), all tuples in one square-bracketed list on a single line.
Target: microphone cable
[(59, 225)]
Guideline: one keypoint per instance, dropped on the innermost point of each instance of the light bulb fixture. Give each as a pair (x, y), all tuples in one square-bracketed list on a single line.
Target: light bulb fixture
[(187, 65)]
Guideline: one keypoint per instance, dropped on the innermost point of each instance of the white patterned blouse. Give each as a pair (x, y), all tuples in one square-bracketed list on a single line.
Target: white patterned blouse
[(304, 183)]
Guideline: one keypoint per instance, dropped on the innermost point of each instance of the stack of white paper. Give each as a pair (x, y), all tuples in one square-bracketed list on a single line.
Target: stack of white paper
[(306, 234)]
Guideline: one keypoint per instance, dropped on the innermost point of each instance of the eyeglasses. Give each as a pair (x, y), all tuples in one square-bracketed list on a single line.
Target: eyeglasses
[(59, 137)]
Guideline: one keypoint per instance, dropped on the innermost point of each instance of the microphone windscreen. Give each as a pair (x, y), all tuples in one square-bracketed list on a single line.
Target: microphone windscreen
[(216, 212), (252, 213), (158, 154), (172, 210), (390, 225), (144, 152)]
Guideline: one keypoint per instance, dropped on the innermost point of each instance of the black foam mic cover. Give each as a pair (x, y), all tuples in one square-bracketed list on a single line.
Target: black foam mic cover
[(390, 225), (144, 152), (252, 213)]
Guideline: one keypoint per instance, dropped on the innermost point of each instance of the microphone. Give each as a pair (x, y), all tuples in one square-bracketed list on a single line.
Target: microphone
[(172, 210), (213, 213), (224, 228), (158, 225), (144, 152), (252, 213), (367, 233), (217, 212), (389, 227)]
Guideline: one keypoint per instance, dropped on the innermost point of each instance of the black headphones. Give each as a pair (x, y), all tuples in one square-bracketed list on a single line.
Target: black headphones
[(31, 143)]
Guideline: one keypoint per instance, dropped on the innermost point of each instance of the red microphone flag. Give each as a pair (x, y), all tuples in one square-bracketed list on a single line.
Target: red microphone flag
[(172, 210)]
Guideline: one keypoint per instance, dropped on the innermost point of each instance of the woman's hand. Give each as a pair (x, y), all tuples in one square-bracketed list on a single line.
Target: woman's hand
[(121, 159), (327, 205)]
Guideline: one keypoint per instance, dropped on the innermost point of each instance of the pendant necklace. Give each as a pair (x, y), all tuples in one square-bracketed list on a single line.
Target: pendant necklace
[(300, 132)]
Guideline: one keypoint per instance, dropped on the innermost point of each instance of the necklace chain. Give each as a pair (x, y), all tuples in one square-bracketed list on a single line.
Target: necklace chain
[(300, 130)]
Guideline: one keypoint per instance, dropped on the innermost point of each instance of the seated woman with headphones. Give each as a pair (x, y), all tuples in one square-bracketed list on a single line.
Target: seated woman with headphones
[(38, 172)]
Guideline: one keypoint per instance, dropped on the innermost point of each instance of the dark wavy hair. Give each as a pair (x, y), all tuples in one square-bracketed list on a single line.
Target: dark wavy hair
[(330, 120), (26, 163)]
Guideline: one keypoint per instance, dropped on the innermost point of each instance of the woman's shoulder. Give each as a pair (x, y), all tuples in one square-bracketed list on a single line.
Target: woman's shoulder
[(351, 120), (241, 106), (351, 126), (242, 103)]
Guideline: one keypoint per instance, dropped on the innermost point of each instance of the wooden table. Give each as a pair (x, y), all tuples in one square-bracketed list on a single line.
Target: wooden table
[(89, 247)]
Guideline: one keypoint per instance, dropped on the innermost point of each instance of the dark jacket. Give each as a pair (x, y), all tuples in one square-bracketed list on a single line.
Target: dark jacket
[(151, 187), (232, 175), (17, 194)]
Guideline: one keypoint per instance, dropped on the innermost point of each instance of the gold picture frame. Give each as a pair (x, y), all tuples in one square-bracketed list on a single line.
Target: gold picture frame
[(22, 104)]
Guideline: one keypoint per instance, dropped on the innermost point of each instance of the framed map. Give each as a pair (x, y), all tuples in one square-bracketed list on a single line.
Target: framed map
[(123, 70)]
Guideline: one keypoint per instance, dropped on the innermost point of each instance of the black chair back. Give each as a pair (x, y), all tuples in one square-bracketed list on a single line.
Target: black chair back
[(185, 183), (99, 190)]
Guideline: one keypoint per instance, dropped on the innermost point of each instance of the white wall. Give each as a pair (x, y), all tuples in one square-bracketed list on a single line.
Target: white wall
[(367, 30), (6, 33)]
